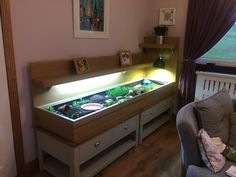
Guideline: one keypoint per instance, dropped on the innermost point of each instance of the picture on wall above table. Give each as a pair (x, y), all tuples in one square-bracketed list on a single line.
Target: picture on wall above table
[(91, 18), (81, 65), (167, 16), (125, 58)]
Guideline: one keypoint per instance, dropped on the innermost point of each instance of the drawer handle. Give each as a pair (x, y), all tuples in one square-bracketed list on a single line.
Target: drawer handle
[(126, 127), (151, 113), (97, 144)]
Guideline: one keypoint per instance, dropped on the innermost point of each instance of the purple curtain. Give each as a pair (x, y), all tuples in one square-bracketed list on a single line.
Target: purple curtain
[(207, 23)]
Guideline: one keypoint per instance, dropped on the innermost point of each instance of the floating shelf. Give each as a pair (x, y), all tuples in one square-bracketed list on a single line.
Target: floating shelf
[(157, 46), (56, 80), (47, 74)]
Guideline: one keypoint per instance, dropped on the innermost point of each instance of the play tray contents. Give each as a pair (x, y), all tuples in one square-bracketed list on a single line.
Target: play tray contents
[(80, 107)]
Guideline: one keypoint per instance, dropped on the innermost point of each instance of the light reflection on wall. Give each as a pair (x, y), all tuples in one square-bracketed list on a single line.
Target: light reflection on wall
[(85, 87), (96, 84), (161, 75), (88, 85)]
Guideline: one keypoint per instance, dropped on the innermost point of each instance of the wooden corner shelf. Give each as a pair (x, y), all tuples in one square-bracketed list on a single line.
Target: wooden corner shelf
[(157, 46), (171, 43)]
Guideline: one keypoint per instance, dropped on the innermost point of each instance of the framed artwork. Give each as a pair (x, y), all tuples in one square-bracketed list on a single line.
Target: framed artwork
[(91, 18), (167, 16), (81, 65), (125, 58)]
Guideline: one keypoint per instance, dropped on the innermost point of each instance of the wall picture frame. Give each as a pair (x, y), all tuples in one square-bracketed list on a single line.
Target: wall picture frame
[(81, 65), (91, 18), (125, 58), (167, 16)]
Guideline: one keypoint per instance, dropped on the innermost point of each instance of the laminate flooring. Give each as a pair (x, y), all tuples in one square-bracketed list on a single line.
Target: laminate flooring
[(150, 159)]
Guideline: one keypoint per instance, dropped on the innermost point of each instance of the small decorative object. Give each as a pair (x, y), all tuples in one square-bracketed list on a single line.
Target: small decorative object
[(137, 89), (108, 102), (81, 65), (64, 108), (118, 91), (91, 18), (122, 100), (125, 58), (231, 171), (150, 87), (50, 108), (80, 102), (167, 16), (91, 106), (160, 32), (146, 82), (159, 62), (97, 98)]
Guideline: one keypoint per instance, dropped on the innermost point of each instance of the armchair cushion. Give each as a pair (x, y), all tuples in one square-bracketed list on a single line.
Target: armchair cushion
[(214, 113), (210, 153)]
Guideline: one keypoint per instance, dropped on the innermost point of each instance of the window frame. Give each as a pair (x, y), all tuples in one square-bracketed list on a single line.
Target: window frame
[(217, 61)]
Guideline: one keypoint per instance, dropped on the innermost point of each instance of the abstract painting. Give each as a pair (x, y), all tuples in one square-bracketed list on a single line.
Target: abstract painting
[(91, 18)]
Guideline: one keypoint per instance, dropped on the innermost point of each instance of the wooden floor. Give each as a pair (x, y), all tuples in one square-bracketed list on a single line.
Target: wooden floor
[(147, 159)]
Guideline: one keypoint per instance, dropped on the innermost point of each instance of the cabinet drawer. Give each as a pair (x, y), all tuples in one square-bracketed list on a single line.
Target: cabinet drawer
[(124, 128), (95, 145), (155, 110)]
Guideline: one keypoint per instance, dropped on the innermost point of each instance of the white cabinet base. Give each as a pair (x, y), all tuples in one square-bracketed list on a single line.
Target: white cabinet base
[(152, 118), (62, 160), (90, 157)]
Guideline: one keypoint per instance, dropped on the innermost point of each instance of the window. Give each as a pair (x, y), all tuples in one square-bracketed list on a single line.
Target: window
[(223, 53)]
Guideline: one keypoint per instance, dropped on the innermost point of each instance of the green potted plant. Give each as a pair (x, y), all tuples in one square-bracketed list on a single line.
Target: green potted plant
[(160, 32)]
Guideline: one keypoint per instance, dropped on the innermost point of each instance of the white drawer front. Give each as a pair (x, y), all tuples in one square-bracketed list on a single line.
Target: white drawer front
[(148, 115), (124, 128), (155, 110), (162, 107), (95, 145)]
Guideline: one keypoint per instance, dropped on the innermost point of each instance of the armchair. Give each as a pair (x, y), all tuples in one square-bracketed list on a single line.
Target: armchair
[(192, 163)]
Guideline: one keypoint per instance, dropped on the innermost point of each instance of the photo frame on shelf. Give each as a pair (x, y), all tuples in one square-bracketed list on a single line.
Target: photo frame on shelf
[(81, 65), (91, 18), (167, 16), (125, 58)]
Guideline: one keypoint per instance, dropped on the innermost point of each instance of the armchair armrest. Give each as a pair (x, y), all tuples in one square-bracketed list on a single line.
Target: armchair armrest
[(195, 171)]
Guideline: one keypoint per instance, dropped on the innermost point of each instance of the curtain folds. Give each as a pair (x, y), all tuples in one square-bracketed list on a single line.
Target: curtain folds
[(207, 23)]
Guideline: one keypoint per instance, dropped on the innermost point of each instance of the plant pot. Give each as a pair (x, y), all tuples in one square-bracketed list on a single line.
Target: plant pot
[(159, 39)]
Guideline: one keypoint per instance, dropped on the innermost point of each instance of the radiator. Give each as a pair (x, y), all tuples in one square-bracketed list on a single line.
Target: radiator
[(209, 83)]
